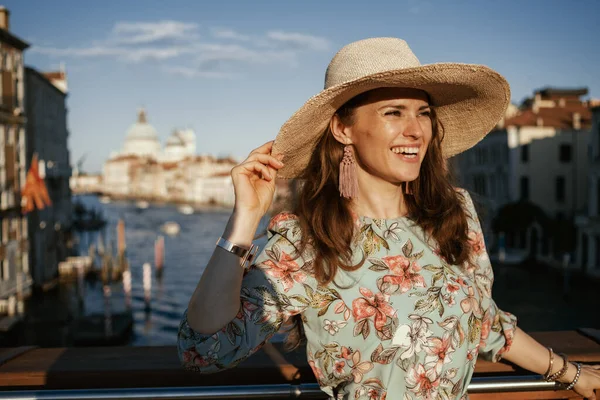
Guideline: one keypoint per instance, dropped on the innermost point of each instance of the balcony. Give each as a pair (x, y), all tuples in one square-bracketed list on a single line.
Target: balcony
[(155, 373)]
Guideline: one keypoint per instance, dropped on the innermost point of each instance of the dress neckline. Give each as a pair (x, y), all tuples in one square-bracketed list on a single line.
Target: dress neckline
[(369, 220)]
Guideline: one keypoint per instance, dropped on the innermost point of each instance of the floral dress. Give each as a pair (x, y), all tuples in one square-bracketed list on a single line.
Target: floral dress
[(406, 324)]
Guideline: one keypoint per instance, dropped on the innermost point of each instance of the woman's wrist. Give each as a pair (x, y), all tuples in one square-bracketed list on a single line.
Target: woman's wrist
[(569, 375), (241, 227)]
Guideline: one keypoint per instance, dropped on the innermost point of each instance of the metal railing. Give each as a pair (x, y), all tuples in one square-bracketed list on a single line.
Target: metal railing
[(301, 391)]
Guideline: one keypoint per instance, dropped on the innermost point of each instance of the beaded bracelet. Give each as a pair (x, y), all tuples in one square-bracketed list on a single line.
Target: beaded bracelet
[(549, 371), (559, 374), (577, 375)]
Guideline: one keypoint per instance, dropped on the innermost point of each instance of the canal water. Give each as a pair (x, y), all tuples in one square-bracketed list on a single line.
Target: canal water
[(186, 255)]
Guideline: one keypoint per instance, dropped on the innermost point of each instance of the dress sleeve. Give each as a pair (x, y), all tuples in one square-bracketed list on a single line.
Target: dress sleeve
[(274, 288), (497, 326)]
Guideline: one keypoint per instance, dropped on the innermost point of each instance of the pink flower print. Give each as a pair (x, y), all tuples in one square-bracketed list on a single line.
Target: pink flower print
[(286, 270), (347, 352), (460, 281), (451, 287), (372, 305), (470, 304), (191, 356), (281, 217), (405, 275), (477, 242), (438, 351), (338, 368), (424, 383)]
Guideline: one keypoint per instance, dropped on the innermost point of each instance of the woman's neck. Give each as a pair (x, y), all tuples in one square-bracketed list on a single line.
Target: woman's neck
[(378, 198)]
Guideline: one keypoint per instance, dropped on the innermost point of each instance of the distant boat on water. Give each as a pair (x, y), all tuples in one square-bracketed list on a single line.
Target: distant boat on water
[(104, 199), (186, 209), (142, 205), (171, 228)]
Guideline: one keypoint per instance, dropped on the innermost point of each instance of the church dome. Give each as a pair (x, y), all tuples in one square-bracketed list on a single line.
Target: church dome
[(142, 139), (142, 130), (175, 140)]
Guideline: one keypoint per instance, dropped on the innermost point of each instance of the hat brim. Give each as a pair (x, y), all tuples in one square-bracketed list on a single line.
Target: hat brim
[(469, 101)]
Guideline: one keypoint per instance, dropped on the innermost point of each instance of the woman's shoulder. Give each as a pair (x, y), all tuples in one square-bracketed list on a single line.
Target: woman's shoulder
[(466, 199)]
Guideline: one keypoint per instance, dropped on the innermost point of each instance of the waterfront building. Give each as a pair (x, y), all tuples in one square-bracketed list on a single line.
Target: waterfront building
[(537, 154), (15, 278), (588, 239), (84, 183), (47, 135), (143, 170)]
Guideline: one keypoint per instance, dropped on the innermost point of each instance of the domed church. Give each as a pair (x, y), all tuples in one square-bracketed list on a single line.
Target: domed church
[(141, 138), (144, 169)]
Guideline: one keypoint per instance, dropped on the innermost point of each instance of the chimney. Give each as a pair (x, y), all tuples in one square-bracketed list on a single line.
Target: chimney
[(576, 120), (4, 18)]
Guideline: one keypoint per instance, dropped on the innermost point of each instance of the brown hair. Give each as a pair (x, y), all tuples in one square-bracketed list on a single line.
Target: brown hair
[(327, 223)]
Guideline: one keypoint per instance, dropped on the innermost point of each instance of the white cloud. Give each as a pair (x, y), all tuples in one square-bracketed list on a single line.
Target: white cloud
[(208, 52), (121, 53), (150, 32), (179, 44), (188, 72), (299, 40), (223, 33)]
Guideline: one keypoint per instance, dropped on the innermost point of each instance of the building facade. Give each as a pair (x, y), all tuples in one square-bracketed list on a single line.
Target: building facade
[(538, 153), (15, 279), (588, 239), (47, 135)]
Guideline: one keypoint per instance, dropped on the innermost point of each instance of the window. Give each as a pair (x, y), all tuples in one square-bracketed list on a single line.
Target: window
[(524, 188), (565, 153), (560, 189), (525, 153)]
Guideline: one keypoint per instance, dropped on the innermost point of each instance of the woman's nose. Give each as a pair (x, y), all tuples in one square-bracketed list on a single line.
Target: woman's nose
[(413, 128)]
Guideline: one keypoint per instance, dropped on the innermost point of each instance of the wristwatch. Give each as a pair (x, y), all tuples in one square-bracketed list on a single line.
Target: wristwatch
[(246, 254)]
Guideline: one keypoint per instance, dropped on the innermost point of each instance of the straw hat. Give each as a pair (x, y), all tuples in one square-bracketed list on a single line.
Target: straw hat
[(469, 99)]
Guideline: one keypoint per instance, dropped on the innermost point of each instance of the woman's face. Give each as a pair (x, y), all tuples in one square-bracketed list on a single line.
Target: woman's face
[(391, 133)]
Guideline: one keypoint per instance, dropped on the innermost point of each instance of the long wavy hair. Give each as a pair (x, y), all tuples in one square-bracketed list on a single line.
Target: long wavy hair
[(327, 223)]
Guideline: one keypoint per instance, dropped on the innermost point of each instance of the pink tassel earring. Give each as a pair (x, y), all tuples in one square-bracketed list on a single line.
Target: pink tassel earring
[(348, 181), (407, 188)]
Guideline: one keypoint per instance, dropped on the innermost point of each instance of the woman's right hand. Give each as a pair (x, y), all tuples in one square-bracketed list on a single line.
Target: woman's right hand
[(254, 180)]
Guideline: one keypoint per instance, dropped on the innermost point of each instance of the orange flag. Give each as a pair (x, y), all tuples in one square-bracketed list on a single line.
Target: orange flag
[(34, 193)]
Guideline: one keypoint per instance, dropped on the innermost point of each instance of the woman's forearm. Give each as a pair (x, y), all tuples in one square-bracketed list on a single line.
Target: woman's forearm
[(529, 354), (216, 300)]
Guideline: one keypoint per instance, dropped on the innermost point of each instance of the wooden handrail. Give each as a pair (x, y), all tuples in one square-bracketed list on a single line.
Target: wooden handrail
[(146, 367)]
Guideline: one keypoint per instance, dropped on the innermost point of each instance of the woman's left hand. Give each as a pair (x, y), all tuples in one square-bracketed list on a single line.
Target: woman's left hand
[(588, 381)]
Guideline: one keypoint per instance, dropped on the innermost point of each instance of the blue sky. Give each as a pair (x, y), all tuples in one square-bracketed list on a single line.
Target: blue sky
[(234, 71)]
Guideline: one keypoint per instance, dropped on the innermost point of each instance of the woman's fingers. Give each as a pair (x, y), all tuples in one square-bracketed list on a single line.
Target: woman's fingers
[(256, 166), (266, 159)]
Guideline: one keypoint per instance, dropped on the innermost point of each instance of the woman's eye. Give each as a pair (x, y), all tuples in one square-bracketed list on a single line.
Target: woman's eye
[(426, 113), (395, 112)]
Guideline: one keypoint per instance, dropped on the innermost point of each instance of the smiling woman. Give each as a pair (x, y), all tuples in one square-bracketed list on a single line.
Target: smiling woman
[(382, 266)]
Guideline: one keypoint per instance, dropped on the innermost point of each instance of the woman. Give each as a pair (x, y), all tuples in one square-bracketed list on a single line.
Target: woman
[(383, 260)]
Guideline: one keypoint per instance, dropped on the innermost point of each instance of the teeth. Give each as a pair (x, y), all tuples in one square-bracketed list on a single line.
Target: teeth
[(406, 150)]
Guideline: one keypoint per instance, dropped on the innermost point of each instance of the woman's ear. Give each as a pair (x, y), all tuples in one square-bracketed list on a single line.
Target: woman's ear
[(341, 132)]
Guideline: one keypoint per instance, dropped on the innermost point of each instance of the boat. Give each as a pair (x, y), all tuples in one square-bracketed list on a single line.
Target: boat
[(171, 228), (142, 205), (104, 199), (186, 209)]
